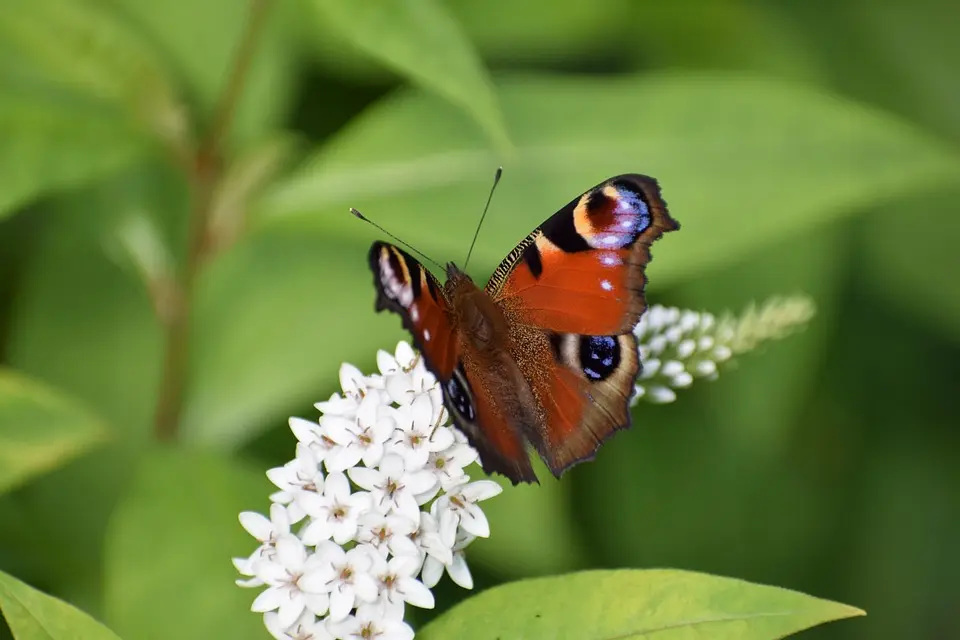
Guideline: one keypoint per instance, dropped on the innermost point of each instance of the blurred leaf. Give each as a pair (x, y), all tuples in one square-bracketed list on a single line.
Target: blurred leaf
[(50, 145), (917, 272), (39, 430), (113, 341), (420, 40), (757, 400), (548, 31), (202, 40), (79, 44), (532, 525), (735, 34), (743, 162), (169, 548), (33, 615), (635, 604)]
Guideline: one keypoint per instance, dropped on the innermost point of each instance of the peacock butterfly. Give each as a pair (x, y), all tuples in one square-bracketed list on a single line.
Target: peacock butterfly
[(545, 352)]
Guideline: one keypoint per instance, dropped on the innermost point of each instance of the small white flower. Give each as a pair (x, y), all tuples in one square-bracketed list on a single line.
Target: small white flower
[(388, 533), (417, 435), (345, 575), (335, 514), (457, 568), (306, 627), (448, 465), (392, 487), (284, 574), (462, 502), (302, 474), (370, 623), (267, 531), (397, 583)]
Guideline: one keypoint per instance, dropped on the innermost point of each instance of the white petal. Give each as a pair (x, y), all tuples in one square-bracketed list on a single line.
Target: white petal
[(291, 552), (312, 504), (336, 428), (386, 363), (347, 457), (405, 504), (337, 405), (268, 600), (372, 454), (317, 603), (460, 572), (365, 478), (431, 493), (414, 457), (404, 565), (481, 490), (405, 354), (256, 525), (422, 410), (474, 521), (336, 487), (441, 439), (344, 530), (416, 593), (401, 546), (318, 530), (398, 387), (341, 602), (421, 481), (290, 610), (391, 466), (249, 583), (315, 583), (397, 631), (365, 587), (304, 430), (432, 571), (367, 411), (351, 379)]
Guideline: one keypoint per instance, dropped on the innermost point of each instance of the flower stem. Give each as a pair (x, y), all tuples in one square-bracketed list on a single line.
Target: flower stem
[(204, 172)]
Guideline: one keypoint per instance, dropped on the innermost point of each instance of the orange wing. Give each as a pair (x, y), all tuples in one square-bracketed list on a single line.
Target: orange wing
[(405, 287), (576, 283)]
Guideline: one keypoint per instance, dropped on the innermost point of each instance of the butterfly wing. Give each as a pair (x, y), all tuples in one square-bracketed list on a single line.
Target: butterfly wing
[(408, 289), (573, 290), (405, 287)]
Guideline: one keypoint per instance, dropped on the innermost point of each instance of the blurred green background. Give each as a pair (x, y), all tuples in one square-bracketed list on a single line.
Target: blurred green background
[(809, 147)]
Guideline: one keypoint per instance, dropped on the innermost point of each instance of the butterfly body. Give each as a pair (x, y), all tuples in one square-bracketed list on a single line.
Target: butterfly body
[(543, 354)]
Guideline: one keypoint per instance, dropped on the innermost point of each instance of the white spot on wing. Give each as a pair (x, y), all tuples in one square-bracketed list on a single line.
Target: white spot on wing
[(414, 313), (426, 335), (606, 285)]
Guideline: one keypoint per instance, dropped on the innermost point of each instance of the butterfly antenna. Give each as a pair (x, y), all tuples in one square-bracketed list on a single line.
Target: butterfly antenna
[(407, 245), (496, 181)]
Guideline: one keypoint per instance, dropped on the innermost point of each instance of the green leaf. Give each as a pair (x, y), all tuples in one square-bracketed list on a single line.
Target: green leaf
[(201, 41), (39, 429), (169, 548), (420, 40), (624, 604), (917, 273), (52, 145), (742, 162), (33, 615), (81, 45)]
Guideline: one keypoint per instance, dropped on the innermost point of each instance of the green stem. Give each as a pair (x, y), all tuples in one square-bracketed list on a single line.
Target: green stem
[(204, 174)]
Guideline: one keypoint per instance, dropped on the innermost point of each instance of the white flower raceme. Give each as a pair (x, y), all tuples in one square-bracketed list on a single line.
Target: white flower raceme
[(371, 511), (377, 506), (676, 347)]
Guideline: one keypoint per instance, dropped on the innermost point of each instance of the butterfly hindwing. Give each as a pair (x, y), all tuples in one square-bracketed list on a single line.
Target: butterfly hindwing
[(576, 282)]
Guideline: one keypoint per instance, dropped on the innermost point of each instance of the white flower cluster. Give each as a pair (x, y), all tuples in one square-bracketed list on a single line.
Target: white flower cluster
[(376, 498), (677, 346)]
